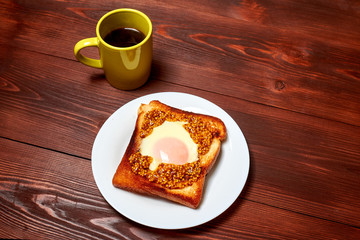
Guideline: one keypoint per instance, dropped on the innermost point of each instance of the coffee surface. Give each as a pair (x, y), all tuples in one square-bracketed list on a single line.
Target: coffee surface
[(124, 37)]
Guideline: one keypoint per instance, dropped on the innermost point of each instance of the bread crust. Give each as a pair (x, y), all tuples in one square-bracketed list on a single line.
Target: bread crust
[(189, 196)]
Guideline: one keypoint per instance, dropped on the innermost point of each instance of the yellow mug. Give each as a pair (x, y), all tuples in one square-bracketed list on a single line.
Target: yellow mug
[(125, 68)]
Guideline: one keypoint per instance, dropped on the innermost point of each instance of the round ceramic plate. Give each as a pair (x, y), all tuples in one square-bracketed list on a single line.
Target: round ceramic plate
[(222, 185)]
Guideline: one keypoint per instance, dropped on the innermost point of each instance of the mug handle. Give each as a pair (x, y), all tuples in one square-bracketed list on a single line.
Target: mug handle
[(87, 42)]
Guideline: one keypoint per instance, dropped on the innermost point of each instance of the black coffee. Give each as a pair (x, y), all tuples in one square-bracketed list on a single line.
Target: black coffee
[(124, 37)]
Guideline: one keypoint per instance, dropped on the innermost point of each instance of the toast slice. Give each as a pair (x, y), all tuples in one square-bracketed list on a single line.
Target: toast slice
[(179, 183)]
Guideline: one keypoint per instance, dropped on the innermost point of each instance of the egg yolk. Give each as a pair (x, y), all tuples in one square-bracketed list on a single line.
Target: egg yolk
[(171, 150)]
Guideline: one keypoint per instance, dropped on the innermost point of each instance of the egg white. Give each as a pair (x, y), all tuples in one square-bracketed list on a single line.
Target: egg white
[(165, 130)]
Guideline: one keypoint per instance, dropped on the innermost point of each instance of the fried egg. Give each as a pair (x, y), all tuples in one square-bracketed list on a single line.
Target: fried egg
[(169, 143)]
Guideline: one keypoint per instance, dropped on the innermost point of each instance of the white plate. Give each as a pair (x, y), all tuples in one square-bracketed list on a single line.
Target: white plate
[(222, 185)]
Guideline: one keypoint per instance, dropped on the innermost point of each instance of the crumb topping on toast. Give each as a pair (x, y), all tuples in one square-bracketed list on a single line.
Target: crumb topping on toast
[(171, 175)]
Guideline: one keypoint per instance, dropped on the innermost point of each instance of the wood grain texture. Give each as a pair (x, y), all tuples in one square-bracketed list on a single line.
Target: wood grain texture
[(52, 195), (286, 71), (299, 66)]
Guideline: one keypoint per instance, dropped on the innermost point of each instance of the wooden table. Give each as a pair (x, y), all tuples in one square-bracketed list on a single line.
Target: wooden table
[(288, 73)]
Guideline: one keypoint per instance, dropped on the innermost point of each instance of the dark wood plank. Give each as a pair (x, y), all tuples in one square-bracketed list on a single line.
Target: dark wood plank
[(297, 160), (45, 194), (290, 61)]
